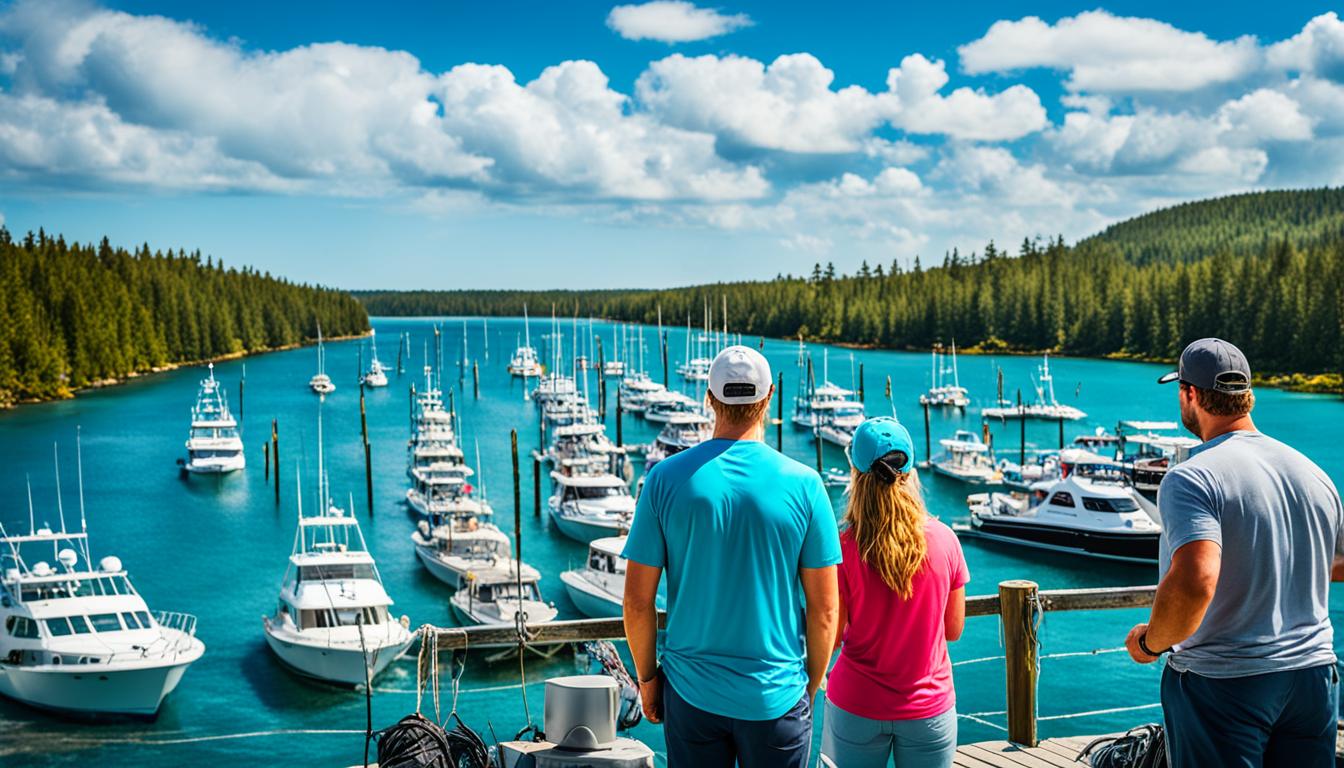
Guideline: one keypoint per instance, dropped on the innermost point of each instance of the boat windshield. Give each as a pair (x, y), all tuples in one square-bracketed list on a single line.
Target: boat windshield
[(508, 591), (335, 572), (606, 563), (1110, 505), (342, 617), (597, 492), (85, 587)]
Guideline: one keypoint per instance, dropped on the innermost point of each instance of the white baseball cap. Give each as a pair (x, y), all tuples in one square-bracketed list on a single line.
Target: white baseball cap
[(740, 376)]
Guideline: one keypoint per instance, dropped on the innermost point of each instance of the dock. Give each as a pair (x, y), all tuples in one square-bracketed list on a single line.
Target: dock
[(1049, 753)]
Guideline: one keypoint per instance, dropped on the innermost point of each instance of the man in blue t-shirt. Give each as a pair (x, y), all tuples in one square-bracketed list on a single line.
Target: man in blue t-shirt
[(748, 539), (1250, 542)]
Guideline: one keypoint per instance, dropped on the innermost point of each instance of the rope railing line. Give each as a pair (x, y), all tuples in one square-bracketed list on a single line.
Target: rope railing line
[(1091, 713)]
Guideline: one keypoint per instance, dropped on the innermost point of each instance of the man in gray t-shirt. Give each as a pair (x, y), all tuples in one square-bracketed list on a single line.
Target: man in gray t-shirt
[(1250, 541)]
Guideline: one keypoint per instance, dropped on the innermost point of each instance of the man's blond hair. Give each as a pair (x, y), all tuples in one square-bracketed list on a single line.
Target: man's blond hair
[(742, 414)]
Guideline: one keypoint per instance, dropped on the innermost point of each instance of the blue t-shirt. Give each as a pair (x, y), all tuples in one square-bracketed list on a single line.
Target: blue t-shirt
[(1278, 519), (731, 522)]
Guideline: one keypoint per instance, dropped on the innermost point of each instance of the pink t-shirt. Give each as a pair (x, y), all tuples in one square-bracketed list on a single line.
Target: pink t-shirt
[(893, 664)]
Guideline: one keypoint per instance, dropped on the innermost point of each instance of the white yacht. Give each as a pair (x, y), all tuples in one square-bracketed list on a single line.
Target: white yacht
[(839, 433), (524, 362), (1149, 449), (825, 404), (376, 376), (496, 597), (77, 637), (460, 546), (598, 588), (659, 407), (555, 388), (590, 506), (682, 431), (332, 621), (965, 457), (636, 390), (1046, 407), (581, 444), (321, 383), (1097, 515), (942, 393), (213, 444)]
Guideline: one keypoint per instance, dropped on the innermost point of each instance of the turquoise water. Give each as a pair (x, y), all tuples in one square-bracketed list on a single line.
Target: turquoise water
[(217, 547)]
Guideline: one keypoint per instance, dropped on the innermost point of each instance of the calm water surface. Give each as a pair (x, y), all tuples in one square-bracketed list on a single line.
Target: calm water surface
[(217, 547)]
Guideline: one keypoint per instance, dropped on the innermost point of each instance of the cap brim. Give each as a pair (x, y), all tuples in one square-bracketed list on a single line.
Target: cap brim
[(1167, 378)]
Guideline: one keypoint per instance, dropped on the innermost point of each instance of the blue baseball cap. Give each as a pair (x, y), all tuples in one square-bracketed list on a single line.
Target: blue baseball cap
[(878, 437)]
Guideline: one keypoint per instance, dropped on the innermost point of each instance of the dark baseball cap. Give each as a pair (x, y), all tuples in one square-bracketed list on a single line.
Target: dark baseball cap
[(1212, 364)]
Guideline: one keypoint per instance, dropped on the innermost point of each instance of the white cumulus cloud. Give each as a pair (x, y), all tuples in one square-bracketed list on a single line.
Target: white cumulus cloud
[(672, 21), (1317, 49)]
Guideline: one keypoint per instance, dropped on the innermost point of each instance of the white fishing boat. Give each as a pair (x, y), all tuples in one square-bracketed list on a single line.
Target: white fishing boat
[(213, 443), (598, 588), (1096, 515), (838, 433), (1150, 449), (78, 637), (682, 431), (826, 403), (321, 383), (635, 391), (660, 407), (442, 488), (1046, 406), (942, 393), (590, 506), (582, 444), (524, 362), (332, 619), (967, 458), (376, 376), (555, 388), (460, 546), (497, 597)]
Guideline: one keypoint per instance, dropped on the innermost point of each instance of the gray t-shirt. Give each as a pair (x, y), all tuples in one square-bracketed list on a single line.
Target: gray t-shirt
[(1278, 519)]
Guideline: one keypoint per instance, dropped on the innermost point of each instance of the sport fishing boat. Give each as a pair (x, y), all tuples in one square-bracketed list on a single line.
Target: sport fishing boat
[(459, 546), (376, 376), (213, 443), (967, 458), (1095, 514), (598, 588), (1149, 449), (659, 407), (590, 506), (581, 444), (682, 431), (524, 362), (1046, 407), (79, 638), (838, 432), (941, 393), (321, 383), (496, 597), (826, 403), (636, 390), (555, 388)]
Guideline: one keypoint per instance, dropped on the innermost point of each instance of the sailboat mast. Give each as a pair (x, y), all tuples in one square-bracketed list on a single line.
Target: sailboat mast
[(956, 377), (60, 507), (79, 475)]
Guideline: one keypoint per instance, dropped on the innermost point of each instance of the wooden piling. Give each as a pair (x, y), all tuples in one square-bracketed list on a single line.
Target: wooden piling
[(517, 501), (266, 459), (860, 382), (275, 457), (779, 414), (1061, 433), (368, 454), (928, 443), (1018, 605), (401, 344), (1021, 432), (620, 417), (536, 485), (817, 439), (476, 378)]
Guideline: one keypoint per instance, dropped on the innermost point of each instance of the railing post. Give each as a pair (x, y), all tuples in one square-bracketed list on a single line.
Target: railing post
[(1018, 605)]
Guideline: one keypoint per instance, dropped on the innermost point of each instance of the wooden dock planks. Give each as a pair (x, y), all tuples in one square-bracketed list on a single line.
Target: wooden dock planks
[(1052, 753)]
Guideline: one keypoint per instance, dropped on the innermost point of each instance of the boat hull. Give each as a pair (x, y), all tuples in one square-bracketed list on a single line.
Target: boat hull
[(591, 601), (91, 690), (336, 665), (974, 478), (215, 466), (1108, 545), (585, 531)]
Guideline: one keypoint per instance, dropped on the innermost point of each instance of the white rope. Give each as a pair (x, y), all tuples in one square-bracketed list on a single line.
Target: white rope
[(231, 736), (980, 660), (1094, 652), (1110, 711), (976, 719)]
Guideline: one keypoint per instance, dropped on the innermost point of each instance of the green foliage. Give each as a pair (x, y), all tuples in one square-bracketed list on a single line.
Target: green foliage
[(1122, 293), (78, 314)]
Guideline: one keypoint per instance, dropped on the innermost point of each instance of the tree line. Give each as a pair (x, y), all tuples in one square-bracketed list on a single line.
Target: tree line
[(78, 314), (1126, 292)]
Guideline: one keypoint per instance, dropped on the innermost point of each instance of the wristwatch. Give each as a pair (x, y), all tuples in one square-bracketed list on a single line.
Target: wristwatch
[(1143, 646), (657, 670)]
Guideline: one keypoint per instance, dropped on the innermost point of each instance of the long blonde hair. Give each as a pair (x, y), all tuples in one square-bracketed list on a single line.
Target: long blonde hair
[(887, 520)]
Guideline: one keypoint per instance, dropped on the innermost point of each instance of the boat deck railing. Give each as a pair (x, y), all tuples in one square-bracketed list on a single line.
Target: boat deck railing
[(182, 622), (1020, 606)]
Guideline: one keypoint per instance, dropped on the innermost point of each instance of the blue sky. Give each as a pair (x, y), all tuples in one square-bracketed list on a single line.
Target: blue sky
[(448, 145)]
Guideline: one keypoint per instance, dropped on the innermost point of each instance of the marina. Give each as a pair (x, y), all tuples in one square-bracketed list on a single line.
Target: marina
[(239, 675)]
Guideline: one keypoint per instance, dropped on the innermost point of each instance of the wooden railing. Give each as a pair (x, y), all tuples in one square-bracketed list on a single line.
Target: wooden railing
[(1016, 604)]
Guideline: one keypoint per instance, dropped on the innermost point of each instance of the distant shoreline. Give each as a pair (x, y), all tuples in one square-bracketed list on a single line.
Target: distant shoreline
[(100, 384)]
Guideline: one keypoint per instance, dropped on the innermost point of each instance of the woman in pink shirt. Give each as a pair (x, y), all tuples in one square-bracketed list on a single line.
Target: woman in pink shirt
[(902, 598)]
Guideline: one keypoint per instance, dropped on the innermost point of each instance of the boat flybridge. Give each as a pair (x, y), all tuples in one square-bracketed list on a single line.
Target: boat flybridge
[(967, 458), (321, 383), (1051, 466), (941, 393), (1095, 512), (213, 444), (661, 407), (77, 637), (524, 362), (598, 588), (1046, 407), (502, 595), (682, 431), (1149, 449), (584, 443), (376, 376), (635, 391), (460, 545), (332, 619), (590, 505)]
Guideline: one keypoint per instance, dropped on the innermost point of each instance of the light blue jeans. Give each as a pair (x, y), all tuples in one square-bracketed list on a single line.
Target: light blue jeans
[(850, 741)]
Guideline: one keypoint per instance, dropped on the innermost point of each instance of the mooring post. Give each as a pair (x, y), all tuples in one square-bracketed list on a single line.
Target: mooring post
[(275, 456), (517, 499), (1061, 433), (266, 459), (817, 434), (401, 344), (368, 454), (476, 378), (928, 444), (1021, 432), (410, 415), (1019, 603), (620, 414), (536, 485), (601, 382), (779, 414), (860, 382)]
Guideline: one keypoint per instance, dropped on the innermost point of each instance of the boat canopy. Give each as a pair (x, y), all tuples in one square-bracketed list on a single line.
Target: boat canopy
[(588, 481)]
